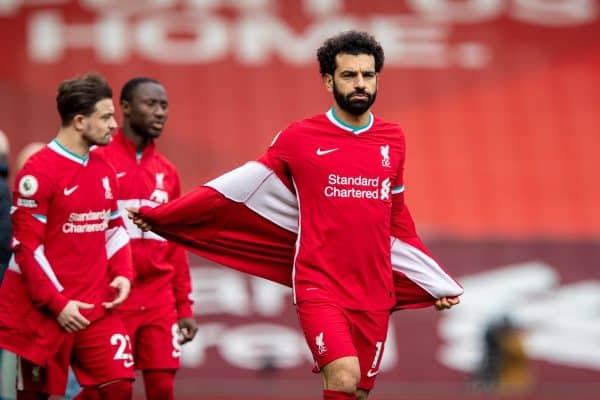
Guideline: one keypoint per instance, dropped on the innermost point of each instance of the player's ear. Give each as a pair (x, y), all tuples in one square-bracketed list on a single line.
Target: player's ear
[(125, 107), (78, 122), (328, 82)]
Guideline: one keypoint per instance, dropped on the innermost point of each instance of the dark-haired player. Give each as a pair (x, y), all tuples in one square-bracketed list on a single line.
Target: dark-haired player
[(72, 259), (336, 180), (157, 313)]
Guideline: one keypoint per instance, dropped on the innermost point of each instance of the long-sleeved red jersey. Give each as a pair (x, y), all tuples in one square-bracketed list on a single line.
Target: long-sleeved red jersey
[(252, 219), (68, 241), (162, 271)]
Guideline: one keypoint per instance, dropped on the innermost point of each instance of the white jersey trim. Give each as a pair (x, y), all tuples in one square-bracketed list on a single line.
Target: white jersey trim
[(270, 198), (63, 151), (116, 239), (422, 270), (132, 230), (42, 261), (356, 130)]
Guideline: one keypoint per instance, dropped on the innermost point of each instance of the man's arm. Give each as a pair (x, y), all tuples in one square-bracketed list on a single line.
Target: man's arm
[(411, 258), (182, 282), (182, 288), (31, 198), (120, 260)]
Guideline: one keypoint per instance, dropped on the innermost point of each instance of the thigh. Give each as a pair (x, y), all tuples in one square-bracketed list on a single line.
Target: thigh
[(369, 331), (51, 378), (102, 352), (327, 332), (156, 344)]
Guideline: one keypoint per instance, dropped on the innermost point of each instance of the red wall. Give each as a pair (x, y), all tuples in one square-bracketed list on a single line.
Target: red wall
[(498, 98)]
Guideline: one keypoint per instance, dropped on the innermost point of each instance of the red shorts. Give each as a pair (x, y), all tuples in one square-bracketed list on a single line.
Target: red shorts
[(98, 354), (154, 337), (333, 332)]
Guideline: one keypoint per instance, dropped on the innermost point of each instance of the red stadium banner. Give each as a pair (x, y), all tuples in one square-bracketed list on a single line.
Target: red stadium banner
[(497, 97)]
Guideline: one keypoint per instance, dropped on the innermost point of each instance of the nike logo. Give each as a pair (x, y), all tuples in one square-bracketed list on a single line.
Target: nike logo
[(323, 152), (371, 373), (70, 191), (121, 174)]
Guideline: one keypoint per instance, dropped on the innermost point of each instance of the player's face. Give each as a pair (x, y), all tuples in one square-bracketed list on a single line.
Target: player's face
[(99, 127), (148, 110), (354, 82)]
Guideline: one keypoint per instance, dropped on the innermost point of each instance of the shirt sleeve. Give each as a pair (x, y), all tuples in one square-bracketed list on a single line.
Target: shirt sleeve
[(31, 197), (277, 157), (118, 248), (182, 282), (402, 224), (419, 277)]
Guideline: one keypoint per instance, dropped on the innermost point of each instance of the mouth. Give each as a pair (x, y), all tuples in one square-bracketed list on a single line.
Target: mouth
[(359, 96), (158, 125)]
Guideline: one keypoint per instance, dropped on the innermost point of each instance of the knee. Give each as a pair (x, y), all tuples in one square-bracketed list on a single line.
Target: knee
[(343, 379), (362, 394)]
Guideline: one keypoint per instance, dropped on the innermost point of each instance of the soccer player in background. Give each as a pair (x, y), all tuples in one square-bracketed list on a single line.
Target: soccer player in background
[(345, 170), (158, 312), (72, 259)]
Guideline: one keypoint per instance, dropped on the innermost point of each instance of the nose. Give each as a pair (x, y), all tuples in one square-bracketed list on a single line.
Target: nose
[(160, 111), (359, 82), (112, 124)]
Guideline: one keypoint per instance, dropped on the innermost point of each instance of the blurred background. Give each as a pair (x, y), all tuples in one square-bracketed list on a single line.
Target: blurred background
[(499, 101)]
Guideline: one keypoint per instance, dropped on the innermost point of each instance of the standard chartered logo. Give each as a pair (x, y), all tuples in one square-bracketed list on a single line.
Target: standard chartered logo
[(385, 189), (357, 187), (92, 221)]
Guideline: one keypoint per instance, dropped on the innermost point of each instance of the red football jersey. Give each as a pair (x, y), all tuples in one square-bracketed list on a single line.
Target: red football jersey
[(346, 180), (162, 271), (68, 242)]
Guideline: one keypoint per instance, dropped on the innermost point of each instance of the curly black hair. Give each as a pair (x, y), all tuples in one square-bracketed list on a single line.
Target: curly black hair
[(350, 42)]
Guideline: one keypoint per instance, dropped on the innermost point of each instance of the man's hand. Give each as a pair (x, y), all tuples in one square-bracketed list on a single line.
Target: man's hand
[(188, 329), (445, 303), (123, 287), (70, 319), (134, 215)]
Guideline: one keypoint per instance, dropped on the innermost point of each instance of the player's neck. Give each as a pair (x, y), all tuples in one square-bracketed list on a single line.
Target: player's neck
[(356, 121), (73, 141), (139, 142)]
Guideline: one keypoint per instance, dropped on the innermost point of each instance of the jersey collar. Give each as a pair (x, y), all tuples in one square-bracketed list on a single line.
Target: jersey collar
[(356, 130), (120, 138), (63, 151)]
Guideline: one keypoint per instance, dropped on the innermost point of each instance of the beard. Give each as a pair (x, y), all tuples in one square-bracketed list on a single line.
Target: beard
[(95, 140), (141, 128), (354, 107)]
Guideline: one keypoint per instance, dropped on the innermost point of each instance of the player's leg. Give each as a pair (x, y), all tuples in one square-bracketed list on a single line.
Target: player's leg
[(340, 378), (35, 382), (369, 331), (328, 336), (159, 384), (88, 393), (120, 389), (157, 351), (31, 395), (102, 360)]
